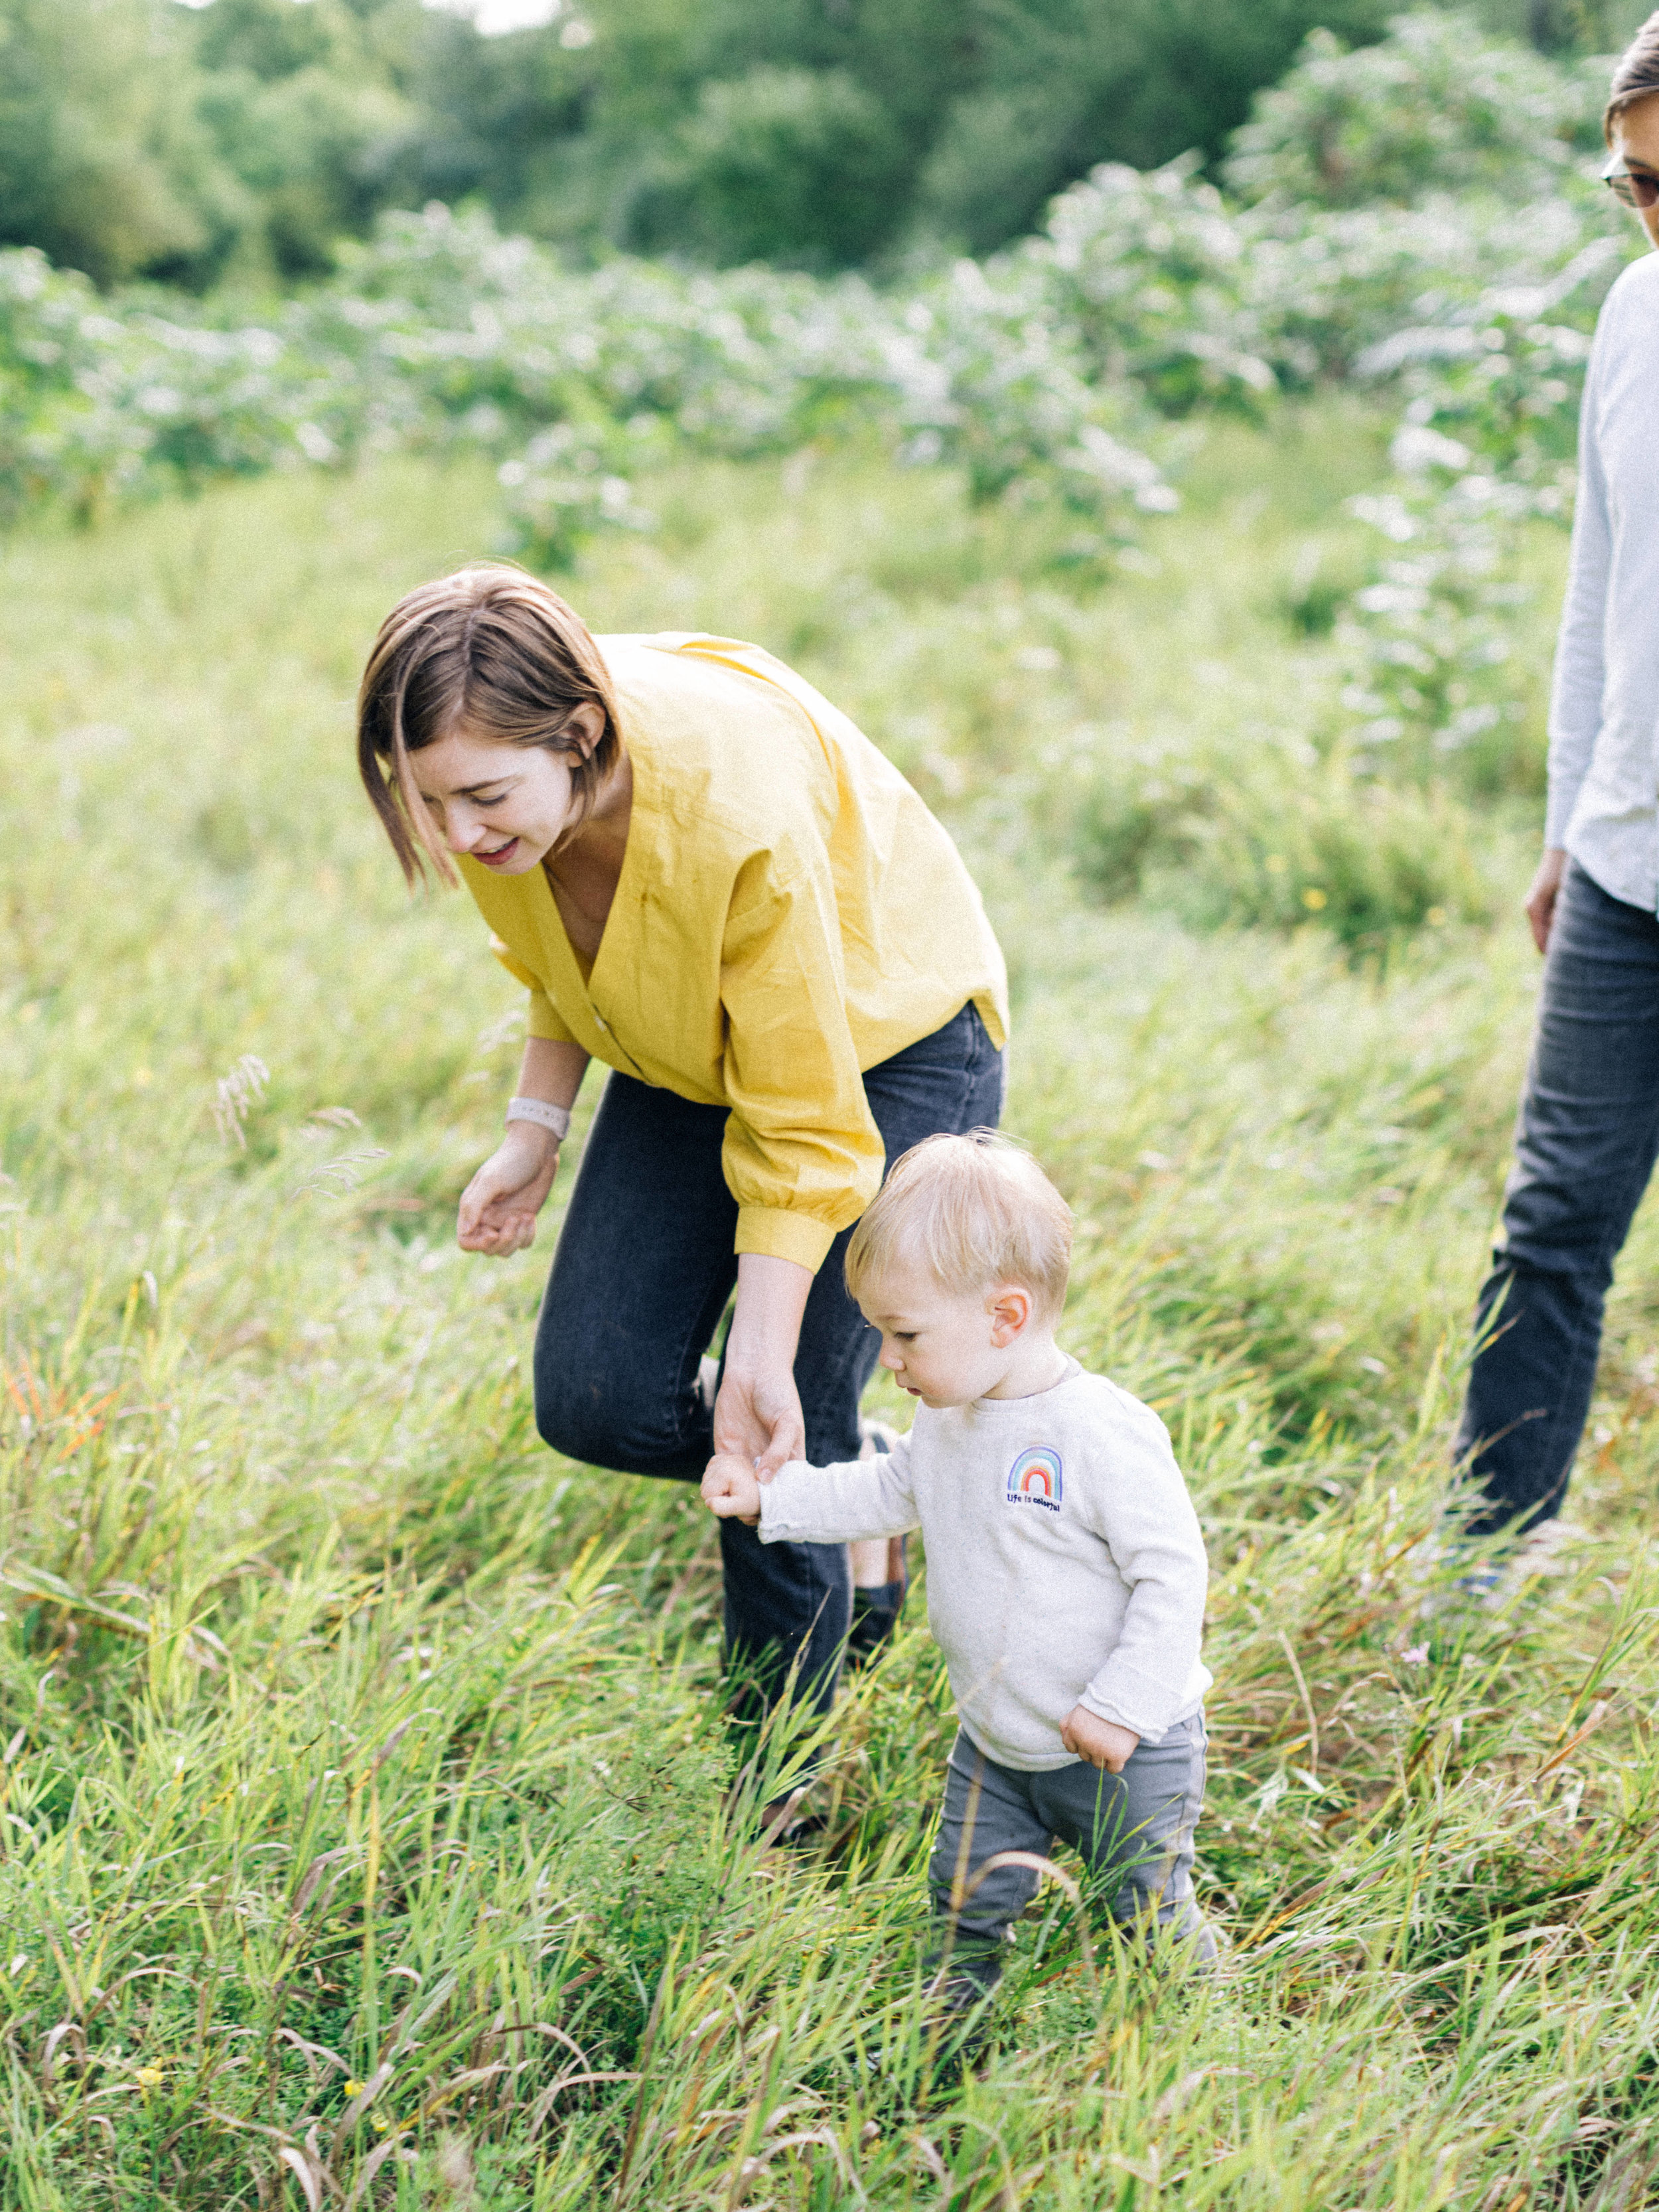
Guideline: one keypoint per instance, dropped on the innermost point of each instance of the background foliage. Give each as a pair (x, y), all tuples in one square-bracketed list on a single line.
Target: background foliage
[(243, 139), (366, 1833), (347, 1789)]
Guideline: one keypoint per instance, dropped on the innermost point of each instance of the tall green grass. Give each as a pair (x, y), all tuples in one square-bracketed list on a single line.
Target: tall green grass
[(369, 1831)]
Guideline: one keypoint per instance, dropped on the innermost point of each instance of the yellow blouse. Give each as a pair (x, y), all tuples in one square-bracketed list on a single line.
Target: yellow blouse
[(789, 913)]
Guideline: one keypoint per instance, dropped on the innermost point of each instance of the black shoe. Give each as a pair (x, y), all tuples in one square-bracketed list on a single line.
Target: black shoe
[(963, 1976), (877, 1611)]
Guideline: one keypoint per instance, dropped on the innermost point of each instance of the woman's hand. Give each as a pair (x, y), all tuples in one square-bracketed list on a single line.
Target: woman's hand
[(500, 1205), (1545, 890), (757, 1415), (757, 1418)]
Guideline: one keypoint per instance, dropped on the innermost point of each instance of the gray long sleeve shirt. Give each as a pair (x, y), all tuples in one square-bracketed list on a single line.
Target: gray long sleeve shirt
[(1065, 1564), (1604, 716)]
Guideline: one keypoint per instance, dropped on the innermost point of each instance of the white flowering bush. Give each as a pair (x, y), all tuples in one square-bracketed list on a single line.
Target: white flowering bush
[(1042, 374), (1436, 107), (1502, 373), (999, 386), (1150, 271), (1487, 439), (1428, 638), (98, 405), (564, 487), (443, 332)]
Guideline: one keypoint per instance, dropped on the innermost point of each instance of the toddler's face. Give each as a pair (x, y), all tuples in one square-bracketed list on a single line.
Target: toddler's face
[(945, 1347)]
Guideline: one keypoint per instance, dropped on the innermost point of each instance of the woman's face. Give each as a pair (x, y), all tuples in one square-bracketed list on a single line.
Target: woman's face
[(501, 805), (1636, 136)]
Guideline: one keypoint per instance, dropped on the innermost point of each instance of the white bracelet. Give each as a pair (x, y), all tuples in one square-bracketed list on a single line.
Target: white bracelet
[(556, 1118)]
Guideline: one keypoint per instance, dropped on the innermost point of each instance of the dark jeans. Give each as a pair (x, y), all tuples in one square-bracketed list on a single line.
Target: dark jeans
[(1585, 1142), (641, 1276)]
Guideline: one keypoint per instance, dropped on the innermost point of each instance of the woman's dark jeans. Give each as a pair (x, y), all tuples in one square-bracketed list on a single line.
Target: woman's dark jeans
[(640, 1279), (1585, 1144)]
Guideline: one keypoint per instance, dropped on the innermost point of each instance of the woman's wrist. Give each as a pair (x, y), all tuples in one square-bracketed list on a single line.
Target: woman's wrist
[(530, 1138), (541, 1114), (766, 1322)]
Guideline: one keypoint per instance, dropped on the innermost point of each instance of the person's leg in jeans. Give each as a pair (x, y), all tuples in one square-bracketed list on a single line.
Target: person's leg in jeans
[(643, 1274), (950, 1081), (1585, 1145)]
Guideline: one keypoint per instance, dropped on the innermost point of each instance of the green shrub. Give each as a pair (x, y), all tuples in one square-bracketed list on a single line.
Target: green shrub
[(1437, 107), (1280, 844), (805, 168), (105, 163), (1365, 859)]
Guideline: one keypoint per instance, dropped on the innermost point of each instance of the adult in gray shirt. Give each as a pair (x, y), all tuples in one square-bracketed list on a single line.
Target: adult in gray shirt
[(1589, 1127)]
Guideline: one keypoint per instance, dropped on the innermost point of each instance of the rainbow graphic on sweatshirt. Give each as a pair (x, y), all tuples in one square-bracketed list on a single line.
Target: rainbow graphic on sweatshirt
[(1034, 1479)]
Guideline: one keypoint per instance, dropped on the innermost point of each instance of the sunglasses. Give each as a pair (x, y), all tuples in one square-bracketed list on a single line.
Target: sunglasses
[(1637, 188)]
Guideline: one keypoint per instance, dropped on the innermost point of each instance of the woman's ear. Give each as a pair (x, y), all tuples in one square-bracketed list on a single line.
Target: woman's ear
[(1010, 1309), (584, 728)]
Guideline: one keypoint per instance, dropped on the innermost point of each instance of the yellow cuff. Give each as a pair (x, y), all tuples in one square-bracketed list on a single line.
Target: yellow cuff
[(544, 1021), (783, 1235)]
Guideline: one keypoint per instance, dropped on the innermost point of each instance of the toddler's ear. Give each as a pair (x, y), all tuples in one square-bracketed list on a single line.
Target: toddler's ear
[(1010, 1309)]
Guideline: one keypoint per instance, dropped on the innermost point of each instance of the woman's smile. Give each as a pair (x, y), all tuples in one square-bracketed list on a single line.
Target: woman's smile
[(504, 805)]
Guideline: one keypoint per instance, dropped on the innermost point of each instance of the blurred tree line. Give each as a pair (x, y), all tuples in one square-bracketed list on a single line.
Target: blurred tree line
[(242, 140)]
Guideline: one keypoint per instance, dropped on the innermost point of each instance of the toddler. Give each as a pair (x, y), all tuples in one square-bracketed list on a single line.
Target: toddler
[(1066, 1571)]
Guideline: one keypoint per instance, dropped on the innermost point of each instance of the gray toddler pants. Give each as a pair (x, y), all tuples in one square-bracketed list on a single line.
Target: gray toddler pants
[(1133, 1830)]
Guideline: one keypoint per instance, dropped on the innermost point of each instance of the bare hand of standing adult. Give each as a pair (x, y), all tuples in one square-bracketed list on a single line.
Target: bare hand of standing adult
[(499, 1206), (1096, 1741), (757, 1415), (1545, 890)]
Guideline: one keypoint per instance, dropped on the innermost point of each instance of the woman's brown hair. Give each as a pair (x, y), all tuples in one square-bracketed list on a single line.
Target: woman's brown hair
[(491, 650), (1637, 76)]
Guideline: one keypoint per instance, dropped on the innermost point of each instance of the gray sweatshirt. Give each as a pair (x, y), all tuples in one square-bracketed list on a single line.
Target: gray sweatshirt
[(1604, 716), (1065, 1565)]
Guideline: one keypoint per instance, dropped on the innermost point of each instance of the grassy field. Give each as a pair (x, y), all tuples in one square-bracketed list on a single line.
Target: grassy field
[(363, 1835)]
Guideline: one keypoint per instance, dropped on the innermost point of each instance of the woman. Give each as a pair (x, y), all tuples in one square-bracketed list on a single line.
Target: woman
[(710, 880), (1589, 1127)]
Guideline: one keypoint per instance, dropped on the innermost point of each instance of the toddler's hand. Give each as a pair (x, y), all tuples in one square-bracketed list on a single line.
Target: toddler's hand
[(1098, 1742), (732, 1489)]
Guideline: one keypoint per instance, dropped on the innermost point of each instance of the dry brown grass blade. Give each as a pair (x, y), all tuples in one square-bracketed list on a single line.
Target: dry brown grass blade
[(752, 2168), (1307, 1704), (1045, 1870), (372, 2165), (1599, 1713), (309, 2180), (545, 2103)]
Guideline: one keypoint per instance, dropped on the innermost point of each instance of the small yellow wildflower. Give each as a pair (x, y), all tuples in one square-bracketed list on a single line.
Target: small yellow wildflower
[(150, 2077), (381, 2124), (356, 2088), (1313, 899)]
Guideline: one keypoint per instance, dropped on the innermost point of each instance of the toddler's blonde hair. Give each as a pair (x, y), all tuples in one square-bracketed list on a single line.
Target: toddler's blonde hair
[(974, 1211)]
